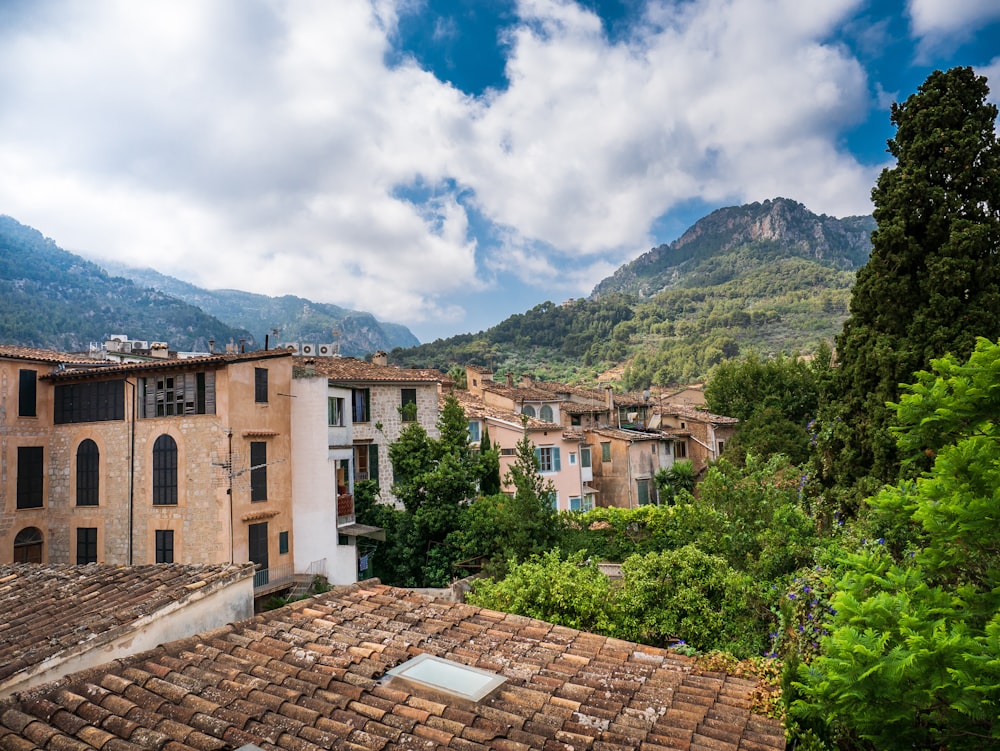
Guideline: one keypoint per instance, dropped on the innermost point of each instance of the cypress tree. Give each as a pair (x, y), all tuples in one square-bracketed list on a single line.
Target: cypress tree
[(932, 283)]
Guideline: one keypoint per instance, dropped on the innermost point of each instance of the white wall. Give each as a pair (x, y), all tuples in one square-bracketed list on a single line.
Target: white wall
[(314, 486)]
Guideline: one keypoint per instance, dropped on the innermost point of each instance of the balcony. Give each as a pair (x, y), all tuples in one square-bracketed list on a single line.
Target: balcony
[(272, 579)]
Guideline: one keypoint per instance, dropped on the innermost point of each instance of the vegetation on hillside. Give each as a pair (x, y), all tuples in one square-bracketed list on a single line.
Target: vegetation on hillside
[(54, 299), (753, 297), (284, 319)]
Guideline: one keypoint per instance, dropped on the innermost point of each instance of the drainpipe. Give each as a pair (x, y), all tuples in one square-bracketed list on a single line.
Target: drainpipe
[(131, 475)]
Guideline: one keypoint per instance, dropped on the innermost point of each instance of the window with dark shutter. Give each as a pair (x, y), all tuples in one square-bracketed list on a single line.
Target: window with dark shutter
[(165, 471), (86, 545), (30, 476), (88, 473), (260, 385), (27, 394), (258, 471), (164, 546)]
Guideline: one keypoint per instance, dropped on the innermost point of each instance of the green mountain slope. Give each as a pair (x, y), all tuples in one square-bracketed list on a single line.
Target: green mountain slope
[(295, 318), (54, 299), (767, 277), (795, 231)]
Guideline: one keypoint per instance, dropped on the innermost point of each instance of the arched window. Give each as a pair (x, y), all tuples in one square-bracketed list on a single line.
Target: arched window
[(545, 413), (28, 546), (88, 473), (528, 410), (165, 471)]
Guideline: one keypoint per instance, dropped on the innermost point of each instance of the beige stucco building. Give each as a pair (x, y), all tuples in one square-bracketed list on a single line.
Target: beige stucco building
[(160, 461)]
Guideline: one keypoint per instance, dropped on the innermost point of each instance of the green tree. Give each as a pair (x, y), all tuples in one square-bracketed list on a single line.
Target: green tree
[(774, 401), (570, 592), (691, 596), (435, 478), (489, 465), (932, 283), (913, 660), (674, 480)]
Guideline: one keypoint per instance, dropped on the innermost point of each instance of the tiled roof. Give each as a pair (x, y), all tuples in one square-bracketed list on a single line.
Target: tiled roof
[(104, 367), (15, 352), (636, 435), (521, 393), (49, 609), (311, 676), (691, 413), (475, 408), (352, 370)]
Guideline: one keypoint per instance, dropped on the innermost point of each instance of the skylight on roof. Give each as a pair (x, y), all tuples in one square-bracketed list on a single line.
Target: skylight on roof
[(449, 677)]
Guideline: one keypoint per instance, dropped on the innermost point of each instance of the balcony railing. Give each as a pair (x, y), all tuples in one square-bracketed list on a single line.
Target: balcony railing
[(274, 577)]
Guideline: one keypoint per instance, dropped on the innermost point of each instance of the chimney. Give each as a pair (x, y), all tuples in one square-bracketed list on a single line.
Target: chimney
[(380, 358), (610, 394), (527, 380), (510, 380)]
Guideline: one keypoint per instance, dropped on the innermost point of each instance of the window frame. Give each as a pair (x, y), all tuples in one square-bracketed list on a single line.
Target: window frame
[(258, 471), (86, 545), (163, 546), (30, 477), (260, 385), (548, 459), (165, 471), (605, 451), (88, 473), (643, 489), (27, 393), (335, 411), (361, 405), (407, 397)]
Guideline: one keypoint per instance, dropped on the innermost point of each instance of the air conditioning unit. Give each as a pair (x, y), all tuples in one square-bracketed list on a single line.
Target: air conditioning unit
[(308, 349), (324, 350), (295, 346)]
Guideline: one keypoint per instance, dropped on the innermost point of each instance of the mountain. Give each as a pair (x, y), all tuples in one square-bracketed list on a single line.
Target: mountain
[(795, 232), (768, 277), (295, 318), (54, 299)]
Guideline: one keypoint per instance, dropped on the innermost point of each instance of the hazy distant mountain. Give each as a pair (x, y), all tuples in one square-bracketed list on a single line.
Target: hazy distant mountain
[(795, 231), (54, 299), (765, 277), (295, 318)]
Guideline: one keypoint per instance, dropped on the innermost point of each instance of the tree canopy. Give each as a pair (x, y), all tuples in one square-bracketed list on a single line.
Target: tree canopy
[(932, 283)]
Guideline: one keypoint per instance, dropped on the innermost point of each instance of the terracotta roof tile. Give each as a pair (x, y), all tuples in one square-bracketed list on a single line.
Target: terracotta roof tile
[(351, 370), (266, 681), (54, 611)]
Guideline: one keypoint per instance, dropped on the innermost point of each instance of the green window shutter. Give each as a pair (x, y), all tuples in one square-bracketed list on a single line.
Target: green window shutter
[(555, 458)]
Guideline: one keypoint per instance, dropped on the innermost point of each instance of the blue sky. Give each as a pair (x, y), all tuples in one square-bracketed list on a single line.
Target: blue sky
[(446, 163)]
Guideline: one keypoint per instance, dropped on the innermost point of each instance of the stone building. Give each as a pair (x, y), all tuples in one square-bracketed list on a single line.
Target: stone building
[(384, 399), (153, 462)]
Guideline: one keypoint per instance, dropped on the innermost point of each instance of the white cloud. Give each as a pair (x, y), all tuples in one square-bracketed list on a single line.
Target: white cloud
[(992, 73), (267, 146), (935, 20)]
